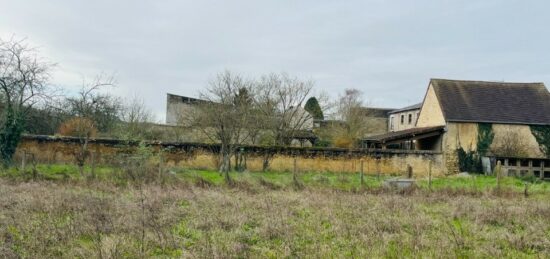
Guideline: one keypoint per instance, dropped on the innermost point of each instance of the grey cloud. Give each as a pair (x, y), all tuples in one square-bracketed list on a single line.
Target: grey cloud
[(389, 50)]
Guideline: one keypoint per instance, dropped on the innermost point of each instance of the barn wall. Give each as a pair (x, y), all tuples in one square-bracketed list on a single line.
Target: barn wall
[(465, 135), (430, 113), (525, 138)]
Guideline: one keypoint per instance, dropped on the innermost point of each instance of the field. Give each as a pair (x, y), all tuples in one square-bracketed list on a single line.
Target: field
[(194, 214)]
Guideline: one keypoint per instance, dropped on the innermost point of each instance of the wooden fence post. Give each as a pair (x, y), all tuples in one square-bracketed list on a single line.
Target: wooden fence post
[(23, 161), (294, 171), (430, 175), (499, 166), (362, 175), (33, 162), (92, 158), (409, 171), (378, 167), (160, 165)]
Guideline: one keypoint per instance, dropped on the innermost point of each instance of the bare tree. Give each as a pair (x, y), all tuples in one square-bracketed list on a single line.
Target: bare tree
[(23, 85), (136, 120), (280, 99), (225, 115), (94, 112), (351, 112)]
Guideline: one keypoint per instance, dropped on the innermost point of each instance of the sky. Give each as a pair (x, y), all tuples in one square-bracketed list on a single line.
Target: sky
[(387, 49)]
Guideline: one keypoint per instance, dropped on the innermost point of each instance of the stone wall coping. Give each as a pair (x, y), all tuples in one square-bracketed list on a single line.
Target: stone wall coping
[(193, 145)]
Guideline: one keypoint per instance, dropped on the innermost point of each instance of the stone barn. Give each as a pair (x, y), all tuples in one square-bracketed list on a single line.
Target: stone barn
[(467, 120)]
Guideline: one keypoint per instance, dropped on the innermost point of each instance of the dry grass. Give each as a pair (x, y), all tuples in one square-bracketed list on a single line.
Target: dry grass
[(56, 219)]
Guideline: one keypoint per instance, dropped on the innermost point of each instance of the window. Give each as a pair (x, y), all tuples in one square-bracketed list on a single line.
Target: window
[(391, 122), (410, 118), (402, 118)]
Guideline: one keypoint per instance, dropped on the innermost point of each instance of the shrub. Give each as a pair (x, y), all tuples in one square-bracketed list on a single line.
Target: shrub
[(78, 127)]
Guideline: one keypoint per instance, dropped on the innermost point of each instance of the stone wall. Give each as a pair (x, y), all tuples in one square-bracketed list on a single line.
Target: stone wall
[(50, 149), (465, 135), (376, 126)]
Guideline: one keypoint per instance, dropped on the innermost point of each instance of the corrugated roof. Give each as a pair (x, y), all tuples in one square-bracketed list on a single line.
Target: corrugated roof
[(493, 102), (404, 133)]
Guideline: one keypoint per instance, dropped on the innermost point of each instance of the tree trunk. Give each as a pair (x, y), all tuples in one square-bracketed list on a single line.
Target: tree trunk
[(81, 156), (225, 162), (267, 157)]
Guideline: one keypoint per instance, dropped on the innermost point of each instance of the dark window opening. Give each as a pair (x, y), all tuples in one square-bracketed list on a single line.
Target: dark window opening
[(410, 118), (402, 119), (524, 163)]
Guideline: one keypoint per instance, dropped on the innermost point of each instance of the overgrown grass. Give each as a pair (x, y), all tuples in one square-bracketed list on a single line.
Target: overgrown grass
[(282, 180), (49, 219), (194, 214)]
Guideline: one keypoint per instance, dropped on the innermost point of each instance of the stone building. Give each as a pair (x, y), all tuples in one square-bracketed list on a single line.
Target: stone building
[(177, 106), (404, 118), (376, 120), (459, 117)]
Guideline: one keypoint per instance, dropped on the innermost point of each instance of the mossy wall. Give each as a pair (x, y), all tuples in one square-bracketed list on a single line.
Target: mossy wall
[(204, 156)]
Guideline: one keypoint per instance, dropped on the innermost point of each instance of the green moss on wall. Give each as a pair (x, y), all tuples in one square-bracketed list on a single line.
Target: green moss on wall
[(542, 135), (485, 138), (471, 161)]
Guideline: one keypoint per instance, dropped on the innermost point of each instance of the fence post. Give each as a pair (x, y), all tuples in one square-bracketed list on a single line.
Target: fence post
[(362, 175), (498, 176), (23, 161), (378, 157), (409, 171), (160, 165), (34, 171), (430, 175), (294, 176), (92, 158)]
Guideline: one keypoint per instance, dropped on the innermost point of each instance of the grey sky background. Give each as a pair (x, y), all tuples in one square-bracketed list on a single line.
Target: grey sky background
[(387, 49)]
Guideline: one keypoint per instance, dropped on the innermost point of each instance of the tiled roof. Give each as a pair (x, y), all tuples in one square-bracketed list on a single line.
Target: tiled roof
[(408, 108), (493, 102)]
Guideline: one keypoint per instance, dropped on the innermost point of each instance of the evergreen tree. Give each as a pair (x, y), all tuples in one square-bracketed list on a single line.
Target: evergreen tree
[(313, 107)]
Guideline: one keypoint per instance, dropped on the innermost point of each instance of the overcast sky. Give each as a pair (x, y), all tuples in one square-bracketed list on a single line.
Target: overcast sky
[(387, 50)]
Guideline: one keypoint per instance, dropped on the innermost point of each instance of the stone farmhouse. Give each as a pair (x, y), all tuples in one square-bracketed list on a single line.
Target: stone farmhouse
[(462, 118)]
